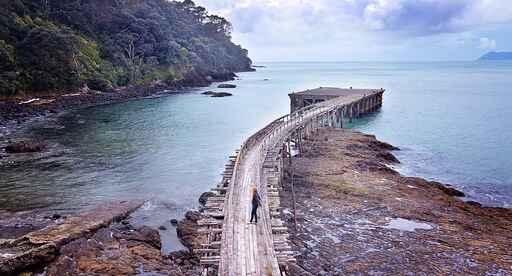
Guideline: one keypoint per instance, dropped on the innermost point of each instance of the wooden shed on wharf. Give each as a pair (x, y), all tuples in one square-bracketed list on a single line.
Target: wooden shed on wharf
[(302, 99)]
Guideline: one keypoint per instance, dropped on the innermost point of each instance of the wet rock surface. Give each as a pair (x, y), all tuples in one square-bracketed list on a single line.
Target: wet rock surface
[(100, 241), (356, 216), (41, 246), (121, 250), (204, 197), (217, 94), (187, 230), (221, 95), (208, 93), (16, 224), (25, 147), (226, 85)]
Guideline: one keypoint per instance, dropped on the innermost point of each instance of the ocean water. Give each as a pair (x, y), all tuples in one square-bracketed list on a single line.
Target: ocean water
[(451, 121)]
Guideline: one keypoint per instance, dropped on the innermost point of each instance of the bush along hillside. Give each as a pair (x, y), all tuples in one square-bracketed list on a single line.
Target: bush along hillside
[(49, 46)]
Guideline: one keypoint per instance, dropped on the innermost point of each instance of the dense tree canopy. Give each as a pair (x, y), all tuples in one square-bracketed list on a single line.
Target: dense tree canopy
[(55, 45)]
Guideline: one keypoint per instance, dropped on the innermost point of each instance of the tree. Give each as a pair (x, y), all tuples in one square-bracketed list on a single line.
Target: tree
[(134, 62), (57, 45), (218, 25), (47, 57)]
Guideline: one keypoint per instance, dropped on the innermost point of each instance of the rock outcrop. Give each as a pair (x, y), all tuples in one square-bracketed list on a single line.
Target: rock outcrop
[(217, 94), (226, 85), (187, 230), (95, 243), (204, 197), (356, 215), (221, 94), (120, 250), (25, 147), (41, 246)]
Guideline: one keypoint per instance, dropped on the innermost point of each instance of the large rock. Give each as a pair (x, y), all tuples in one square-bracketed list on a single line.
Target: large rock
[(115, 250), (42, 246), (217, 94), (187, 230), (142, 234), (204, 197), (226, 85), (447, 189), (25, 147), (221, 94)]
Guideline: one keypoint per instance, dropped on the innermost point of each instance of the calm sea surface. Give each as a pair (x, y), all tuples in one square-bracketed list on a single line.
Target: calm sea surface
[(451, 120)]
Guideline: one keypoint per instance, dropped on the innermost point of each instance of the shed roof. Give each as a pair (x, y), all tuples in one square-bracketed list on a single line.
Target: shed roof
[(334, 91)]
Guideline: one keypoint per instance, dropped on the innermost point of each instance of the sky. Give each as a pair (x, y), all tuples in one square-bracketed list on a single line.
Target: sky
[(367, 30)]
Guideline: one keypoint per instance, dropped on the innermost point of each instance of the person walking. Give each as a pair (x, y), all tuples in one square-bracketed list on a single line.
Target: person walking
[(256, 202)]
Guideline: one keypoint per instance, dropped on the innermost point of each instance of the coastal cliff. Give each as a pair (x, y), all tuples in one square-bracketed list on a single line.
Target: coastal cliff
[(55, 47), (357, 215)]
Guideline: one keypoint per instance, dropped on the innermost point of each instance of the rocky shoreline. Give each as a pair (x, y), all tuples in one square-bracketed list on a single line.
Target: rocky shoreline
[(356, 215), (105, 240), (17, 112), (14, 112), (100, 241), (115, 248)]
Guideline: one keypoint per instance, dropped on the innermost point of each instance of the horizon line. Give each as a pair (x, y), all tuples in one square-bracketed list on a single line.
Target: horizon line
[(367, 61)]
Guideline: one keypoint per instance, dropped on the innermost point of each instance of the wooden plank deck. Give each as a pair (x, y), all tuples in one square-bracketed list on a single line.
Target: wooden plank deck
[(260, 249)]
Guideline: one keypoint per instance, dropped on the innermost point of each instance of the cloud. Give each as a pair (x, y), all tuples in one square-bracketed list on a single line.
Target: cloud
[(408, 17), (485, 12), (419, 17), (245, 19), (296, 29), (487, 44)]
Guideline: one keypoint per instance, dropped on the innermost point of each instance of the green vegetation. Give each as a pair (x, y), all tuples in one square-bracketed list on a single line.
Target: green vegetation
[(51, 46)]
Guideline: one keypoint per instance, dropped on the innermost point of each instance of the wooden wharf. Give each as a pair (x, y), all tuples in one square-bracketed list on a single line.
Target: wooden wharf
[(233, 246)]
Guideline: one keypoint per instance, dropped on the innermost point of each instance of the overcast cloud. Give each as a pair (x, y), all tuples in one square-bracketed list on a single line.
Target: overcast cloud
[(367, 29)]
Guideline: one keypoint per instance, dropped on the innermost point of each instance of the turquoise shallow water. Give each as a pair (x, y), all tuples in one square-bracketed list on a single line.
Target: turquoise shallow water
[(452, 121)]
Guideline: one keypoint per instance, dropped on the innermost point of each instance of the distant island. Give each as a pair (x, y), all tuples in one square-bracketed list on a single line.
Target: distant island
[(497, 56)]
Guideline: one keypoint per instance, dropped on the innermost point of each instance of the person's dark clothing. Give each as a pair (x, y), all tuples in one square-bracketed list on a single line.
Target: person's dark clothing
[(256, 202)]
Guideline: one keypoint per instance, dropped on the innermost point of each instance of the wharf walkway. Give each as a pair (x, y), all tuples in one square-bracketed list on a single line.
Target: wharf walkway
[(233, 246)]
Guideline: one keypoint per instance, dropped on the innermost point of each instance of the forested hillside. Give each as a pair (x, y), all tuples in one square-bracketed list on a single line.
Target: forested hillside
[(58, 45)]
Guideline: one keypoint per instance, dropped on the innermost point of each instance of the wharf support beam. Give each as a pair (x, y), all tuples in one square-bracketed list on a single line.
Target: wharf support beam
[(236, 247)]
